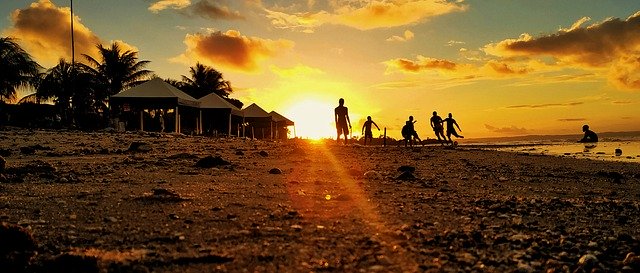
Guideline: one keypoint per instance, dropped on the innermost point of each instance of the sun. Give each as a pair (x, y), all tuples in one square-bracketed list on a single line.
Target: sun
[(313, 118)]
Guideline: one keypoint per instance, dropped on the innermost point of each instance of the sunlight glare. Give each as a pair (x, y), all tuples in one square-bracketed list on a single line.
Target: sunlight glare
[(313, 118)]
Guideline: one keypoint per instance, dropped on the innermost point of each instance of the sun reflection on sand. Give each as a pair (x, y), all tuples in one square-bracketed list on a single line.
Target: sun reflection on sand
[(326, 190)]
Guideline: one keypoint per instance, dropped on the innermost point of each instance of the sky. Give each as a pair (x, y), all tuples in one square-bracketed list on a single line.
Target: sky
[(501, 67)]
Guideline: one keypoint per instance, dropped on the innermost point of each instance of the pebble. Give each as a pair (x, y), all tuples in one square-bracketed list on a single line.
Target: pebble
[(111, 219), (275, 171), (588, 260), (263, 153), (296, 227), (372, 175)]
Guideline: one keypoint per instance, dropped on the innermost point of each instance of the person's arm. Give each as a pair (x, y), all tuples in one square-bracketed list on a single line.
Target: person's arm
[(432, 123), (346, 110), (374, 123), (335, 116), (363, 126), (454, 122)]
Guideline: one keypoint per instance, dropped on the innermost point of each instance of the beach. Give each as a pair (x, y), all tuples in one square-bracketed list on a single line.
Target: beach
[(74, 201)]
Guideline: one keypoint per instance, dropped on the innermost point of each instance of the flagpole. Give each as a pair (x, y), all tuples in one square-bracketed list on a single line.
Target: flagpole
[(73, 49)]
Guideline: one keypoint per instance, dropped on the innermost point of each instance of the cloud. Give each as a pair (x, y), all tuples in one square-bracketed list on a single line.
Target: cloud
[(208, 9), (230, 49), (571, 119), (364, 15), (43, 29), (513, 130), (612, 45), (545, 105), (421, 64), (504, 68), (407, 36), (212, 10), (596, 45), (169, 4), (452, 43), (296, 71)]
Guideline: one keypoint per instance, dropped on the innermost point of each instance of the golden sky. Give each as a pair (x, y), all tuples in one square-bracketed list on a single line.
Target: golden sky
[(502, 68)]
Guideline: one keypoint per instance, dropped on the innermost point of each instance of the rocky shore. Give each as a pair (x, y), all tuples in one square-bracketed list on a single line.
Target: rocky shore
[(142, 202)]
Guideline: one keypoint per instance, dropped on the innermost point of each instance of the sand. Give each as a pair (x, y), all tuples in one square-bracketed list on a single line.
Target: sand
[(91, 205)]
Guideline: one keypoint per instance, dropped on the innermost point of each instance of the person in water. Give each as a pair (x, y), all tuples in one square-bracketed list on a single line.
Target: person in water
[(366, 130), (436, 124), (341, 115), (450, 129), (589, 136), (409, 133)]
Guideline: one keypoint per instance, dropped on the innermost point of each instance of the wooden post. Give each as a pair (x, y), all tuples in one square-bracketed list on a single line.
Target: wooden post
[(229, 131), (384, 142), (177, 121), (142, 120), (200, 124), (252, 133)]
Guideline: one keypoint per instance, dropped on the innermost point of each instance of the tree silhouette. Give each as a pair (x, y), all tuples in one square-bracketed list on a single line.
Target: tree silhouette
[(205, 80), (117, 70), (17, 68), (72, 88)]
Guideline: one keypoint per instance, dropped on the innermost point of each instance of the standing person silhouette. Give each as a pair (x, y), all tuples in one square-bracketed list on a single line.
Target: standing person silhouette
[(341, 115), (409, 133), (366, 130), (589, 136), (436, 124), (450, 130)]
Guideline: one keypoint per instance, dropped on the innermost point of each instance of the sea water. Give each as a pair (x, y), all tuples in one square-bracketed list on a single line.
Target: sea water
[(622, 147)]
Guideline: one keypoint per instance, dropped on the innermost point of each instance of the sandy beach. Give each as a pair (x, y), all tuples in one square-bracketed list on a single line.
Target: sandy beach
[(93, 202)]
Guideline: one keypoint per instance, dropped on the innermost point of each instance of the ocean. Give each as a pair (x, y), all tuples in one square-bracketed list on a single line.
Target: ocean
[(627, 144)]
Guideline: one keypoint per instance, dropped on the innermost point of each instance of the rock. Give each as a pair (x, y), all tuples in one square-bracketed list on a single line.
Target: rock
[(27, 150), (139, 146), (3, 164), (5, 152), (632, 260), (17, 247), (111, 219), (588, 261), (275, 171), (263, 153), (406, 168), (406, 175), (69, 262), (618, 152), (296, 227), (211, 162)]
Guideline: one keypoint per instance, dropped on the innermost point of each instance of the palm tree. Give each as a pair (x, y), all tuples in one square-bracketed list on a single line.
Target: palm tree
[(116, 70), (205, 80), (17, 66), (72, 88)]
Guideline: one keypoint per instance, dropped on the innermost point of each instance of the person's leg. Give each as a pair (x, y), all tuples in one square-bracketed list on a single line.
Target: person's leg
[(345, 129)]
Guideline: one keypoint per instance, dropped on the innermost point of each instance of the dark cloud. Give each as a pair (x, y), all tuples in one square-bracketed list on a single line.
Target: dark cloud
[(230, 49), (546, 105), (513, 130), (571, 119), (503, 68), (214, 10), (421, 64), (44, 30)]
